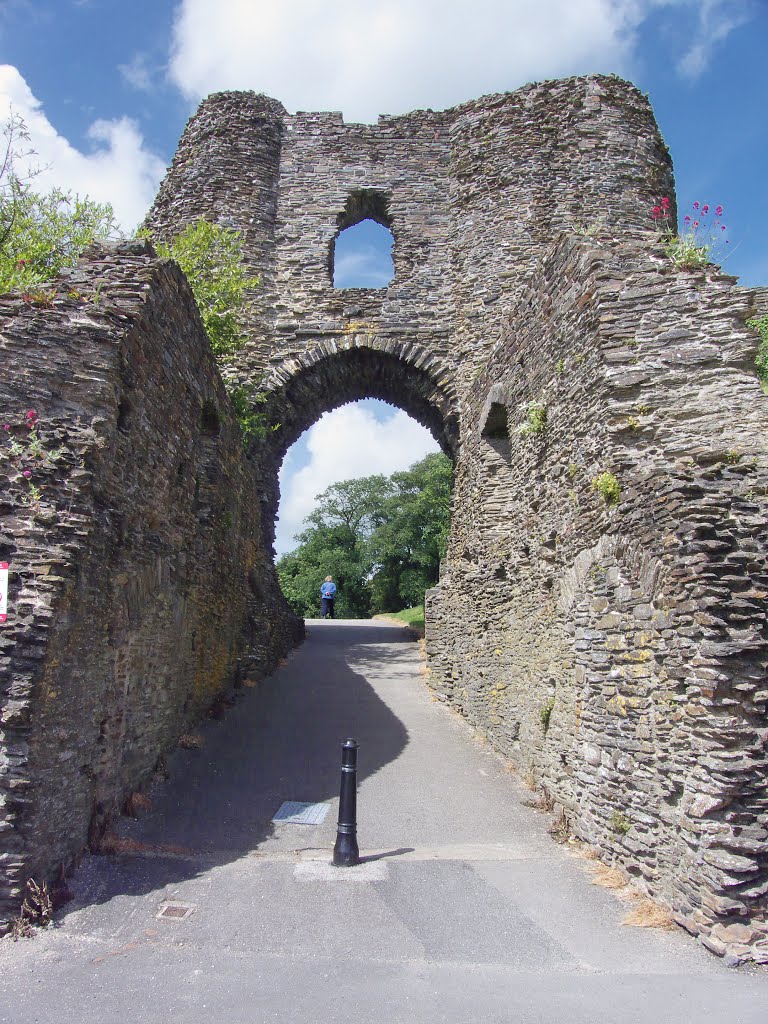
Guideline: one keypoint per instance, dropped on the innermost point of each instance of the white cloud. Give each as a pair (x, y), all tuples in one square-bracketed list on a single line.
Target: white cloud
[(716, 20), (344, 444), (396, 54), (363, 267), (389, 56), (119, 170), (137, 73)]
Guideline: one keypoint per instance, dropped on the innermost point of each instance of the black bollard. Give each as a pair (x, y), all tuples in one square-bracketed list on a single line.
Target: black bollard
[(345, 852)]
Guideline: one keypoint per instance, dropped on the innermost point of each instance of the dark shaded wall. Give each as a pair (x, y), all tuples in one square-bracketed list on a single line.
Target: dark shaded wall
[(140, 588)]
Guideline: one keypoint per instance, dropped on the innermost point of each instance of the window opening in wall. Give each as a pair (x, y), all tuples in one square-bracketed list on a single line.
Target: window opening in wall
[(495, 432), (209, 420), (363, 257), (361, 252), (496, 423)]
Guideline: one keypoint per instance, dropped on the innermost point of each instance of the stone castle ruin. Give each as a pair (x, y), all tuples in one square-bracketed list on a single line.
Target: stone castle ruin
[(601, 614)]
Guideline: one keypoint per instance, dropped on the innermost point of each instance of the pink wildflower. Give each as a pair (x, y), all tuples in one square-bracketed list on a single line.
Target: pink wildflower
[(695, 223), (27, 473), (32, 414), (665, 202), (705, 209), (687, 220), (718, 211), (6, 426), (695, 206)]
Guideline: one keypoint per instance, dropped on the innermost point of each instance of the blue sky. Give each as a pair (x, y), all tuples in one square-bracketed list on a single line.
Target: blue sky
[(106, 87)]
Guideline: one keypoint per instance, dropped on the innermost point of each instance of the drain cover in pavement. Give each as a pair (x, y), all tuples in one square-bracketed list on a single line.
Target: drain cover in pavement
[(175, 911), (294, 813)]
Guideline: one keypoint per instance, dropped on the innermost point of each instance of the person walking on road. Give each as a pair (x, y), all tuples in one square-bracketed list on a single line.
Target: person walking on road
[(328, 598)]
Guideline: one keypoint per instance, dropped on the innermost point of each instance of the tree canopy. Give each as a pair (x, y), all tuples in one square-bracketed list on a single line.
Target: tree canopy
[(40, 234), (211, 256), (381, 538)]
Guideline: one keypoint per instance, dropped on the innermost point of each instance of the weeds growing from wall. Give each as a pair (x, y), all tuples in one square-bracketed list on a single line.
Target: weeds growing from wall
[(760, 326), (702, 240), (535, 419), (607, 486), (27, 457), (620, 823), (245, 400), (560, 829), (211, 256), (36, 911), (545, 713)]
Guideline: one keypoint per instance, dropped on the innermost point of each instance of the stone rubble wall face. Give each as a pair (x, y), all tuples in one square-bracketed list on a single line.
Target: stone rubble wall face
[(617, 654), (226, 171), (475, 195), (139, 586), (759, 301)]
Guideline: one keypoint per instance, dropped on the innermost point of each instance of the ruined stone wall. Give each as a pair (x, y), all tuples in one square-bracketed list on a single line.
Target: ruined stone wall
[(472, 195), (139, 584), (759, 301), (617, 652), (614, 651)]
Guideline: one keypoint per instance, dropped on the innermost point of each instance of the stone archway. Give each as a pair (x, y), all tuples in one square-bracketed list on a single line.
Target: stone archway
[(301, 390)]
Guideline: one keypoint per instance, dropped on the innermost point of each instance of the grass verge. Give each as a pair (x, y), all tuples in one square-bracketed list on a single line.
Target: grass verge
[(413, 618)]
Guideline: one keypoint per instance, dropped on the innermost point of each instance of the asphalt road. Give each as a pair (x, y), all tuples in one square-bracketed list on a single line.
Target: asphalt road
[(463, 909)]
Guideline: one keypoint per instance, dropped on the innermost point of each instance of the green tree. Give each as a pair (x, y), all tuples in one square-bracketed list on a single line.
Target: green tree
[(381, 538), (15, 148), (408, 544), (48, 233), (41, 234), (211, 256), (328, 551), (335, 543)]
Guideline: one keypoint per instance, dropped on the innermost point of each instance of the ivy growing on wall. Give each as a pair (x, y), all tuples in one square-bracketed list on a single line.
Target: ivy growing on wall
[(760, 325), (211, 256)]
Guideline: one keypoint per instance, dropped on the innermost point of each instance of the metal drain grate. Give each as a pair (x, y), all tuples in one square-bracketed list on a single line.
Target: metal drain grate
[(175, 911), (293, 812)]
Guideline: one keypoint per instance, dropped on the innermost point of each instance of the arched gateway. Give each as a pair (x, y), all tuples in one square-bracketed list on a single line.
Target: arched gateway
[(602, 611)]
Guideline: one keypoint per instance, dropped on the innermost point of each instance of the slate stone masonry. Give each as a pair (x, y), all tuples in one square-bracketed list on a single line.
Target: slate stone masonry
[(616, 653), (601, 614), (139, 587)]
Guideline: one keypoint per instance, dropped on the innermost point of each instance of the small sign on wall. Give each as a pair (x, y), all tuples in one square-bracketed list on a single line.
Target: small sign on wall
[(3, 591)]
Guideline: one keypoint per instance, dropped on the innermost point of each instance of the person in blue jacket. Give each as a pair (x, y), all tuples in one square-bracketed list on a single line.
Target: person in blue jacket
[(328, 598)]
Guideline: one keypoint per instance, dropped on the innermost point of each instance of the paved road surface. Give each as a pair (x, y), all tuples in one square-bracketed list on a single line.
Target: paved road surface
[(464, 911)]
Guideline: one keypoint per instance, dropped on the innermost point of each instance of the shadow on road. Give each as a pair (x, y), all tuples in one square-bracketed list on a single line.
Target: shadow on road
[(279, 742)]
